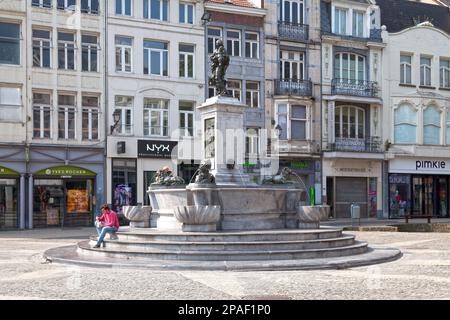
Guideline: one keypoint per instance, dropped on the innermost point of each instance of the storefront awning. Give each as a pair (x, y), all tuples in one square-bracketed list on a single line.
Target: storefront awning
[(65, 172), (7, 172)]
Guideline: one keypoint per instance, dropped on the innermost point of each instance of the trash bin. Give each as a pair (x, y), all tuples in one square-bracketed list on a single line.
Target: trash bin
[(355, 210)]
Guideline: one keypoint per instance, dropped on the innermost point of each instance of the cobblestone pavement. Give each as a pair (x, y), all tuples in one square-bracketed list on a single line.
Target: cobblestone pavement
[(422, 273)]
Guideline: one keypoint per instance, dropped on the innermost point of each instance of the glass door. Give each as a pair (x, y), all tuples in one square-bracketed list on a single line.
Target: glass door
[(418, 199), (49, 202), (442, 194), (428, 196), (8, 203)]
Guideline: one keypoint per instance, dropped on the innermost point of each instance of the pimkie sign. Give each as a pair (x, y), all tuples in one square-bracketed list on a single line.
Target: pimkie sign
[(156, 148), (425, 166)]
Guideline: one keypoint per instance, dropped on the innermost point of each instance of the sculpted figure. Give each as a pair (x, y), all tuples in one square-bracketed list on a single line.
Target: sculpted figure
[(204, 175), (165, 177), (219, 64), (282, 178)]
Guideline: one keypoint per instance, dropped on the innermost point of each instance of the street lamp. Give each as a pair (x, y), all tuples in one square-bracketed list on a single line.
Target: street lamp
[(116, 118), (206, 17)]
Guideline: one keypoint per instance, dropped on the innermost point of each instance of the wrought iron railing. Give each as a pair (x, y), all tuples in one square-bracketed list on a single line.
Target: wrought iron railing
[(352, 87), (293, 31), (287, 87), (371, 144)]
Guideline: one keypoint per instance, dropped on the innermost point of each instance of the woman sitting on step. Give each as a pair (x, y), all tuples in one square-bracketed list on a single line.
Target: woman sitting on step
[(107, 223)]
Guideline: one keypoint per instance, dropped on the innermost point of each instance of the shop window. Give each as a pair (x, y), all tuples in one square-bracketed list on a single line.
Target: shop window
[(8, 203), (405, 124), (431, 125), (399, 195), (124, 185)]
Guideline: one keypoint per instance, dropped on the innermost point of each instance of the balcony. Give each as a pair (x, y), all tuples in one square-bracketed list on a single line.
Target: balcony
[(293, 31), (351, 87), (302, 88), (371, 144)]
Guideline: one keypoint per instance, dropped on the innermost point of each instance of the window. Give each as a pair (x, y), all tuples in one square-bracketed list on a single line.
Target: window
[(89, 6), (214, 34), (123, 7), (156, 58), (9, 43), (293, 121), (89, 53), (298, 122), (90, 118), (358, 24), (41, 116), (66, 51), (124, 49), (42, 3), (349, 122), (340, 21), (431, 125), (156, 9), (125, 106), (156, 117), (252, 143), (252, 45), (252, 94), (405, 69), (425, 71), (349, 67), (66, 4), (186, 13), (41, 48), (124, 183), (234, 88), (10, 104), (66, 117), (405, 124), (292, 65), (293, 11), (186, 56), (444, 73), (234, 43), (186, 118)]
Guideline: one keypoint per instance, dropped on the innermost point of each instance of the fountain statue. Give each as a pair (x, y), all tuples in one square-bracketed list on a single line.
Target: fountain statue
[(165, 177), (219, 65)]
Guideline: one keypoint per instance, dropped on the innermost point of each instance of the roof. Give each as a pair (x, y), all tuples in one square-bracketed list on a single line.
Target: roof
[(398, 15), (238, 3)]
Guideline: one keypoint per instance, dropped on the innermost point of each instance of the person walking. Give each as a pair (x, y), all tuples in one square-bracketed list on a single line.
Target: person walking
[(107, 223)]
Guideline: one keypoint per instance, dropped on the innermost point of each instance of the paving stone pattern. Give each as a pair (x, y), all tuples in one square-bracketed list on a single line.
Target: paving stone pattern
[(422, 273)]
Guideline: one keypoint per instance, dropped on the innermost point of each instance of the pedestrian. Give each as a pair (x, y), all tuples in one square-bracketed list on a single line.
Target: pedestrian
[(107, 223)]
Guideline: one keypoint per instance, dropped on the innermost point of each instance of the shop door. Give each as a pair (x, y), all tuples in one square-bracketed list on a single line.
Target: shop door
[(8, 203), (424, 196), (348, 191), (49, 203), (442, 194)]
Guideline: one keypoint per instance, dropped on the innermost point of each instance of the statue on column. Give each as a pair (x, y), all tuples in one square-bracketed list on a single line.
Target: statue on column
[(219, 64)]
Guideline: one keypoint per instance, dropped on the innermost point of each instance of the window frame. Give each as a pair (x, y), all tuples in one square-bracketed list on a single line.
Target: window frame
[(64, 45), (300, 12), (91, 111), (66, 5), (355, 29), (123, 49), (186, 12), (300, 65), (338, 20), (186, 56), (232, 91), (42, 108), (252, 93), (401, 122), (123, 8), (41, 4), (349, 124), (125, 128), (67, 109), (41, 48), (90, 47), (288, 114), (251, 43), (234, 42), (148, 15), (444, 73), (163, 54), (15, 41), (89, 10), (162, 111), (404, 67), (349, 70), (431, 124), (425, 71), (184, 131), (214, 38)]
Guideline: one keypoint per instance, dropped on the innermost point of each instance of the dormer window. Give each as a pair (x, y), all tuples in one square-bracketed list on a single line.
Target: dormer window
[(358, 24)]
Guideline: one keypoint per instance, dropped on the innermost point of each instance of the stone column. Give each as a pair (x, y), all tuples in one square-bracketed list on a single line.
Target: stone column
[(22, 208), (30, 201)]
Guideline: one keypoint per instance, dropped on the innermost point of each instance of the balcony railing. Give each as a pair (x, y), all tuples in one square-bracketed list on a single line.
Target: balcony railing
[(293, 31), (293, 88), (372, 144), (351, 87)]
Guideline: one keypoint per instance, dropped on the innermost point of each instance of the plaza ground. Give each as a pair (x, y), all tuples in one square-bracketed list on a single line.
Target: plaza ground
[(422, 273)]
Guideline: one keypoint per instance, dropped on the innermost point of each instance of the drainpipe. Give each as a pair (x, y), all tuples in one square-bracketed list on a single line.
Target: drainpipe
[(106, 111)]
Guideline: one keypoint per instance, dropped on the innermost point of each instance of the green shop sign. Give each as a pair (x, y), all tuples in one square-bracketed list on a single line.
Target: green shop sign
[(5, 171), (65, 171), (300, 164)]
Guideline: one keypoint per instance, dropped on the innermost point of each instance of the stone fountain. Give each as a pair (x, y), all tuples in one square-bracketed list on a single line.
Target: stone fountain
[(222, 220)]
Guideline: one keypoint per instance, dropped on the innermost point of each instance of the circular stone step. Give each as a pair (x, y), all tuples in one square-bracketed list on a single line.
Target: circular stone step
[(144, 246), (84, 248)]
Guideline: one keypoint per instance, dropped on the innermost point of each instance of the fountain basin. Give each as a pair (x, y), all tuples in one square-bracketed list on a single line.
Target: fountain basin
[(309, 216), (198, 218), (164, 199), (139, 216)]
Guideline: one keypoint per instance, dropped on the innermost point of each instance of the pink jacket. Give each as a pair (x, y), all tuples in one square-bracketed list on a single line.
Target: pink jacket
[(110, 219)]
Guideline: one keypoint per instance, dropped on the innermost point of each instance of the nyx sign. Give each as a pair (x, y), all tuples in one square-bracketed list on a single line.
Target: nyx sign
[(156, 149)]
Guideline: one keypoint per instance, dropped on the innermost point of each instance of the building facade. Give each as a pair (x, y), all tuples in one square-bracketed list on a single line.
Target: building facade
[(293, 86), (155, 80), (53, 102), (352, 106), (416, 92)]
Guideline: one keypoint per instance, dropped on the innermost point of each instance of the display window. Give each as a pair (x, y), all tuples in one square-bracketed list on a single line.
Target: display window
[(8, 203), (123, 183)]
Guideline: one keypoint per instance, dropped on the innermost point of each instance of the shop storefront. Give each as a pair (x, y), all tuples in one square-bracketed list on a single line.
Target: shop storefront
[(419, 187), (307, 170), (64, 196), (9, 198), (353, 181)]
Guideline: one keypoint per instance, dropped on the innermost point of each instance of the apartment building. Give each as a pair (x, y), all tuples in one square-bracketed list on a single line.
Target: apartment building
[(293, 88), (352, 106)]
